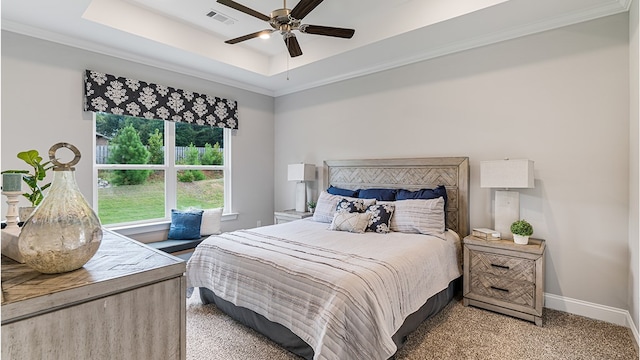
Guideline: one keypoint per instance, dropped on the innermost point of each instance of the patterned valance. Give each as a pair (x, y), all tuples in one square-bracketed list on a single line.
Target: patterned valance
[(122, 96)]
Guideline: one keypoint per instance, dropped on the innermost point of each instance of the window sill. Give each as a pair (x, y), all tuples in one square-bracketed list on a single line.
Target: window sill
[(129, 230)]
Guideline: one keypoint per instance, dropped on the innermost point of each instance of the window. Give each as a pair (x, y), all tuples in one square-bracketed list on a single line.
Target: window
[(144, 168)]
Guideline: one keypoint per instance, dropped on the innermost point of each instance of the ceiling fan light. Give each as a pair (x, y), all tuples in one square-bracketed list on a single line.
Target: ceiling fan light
[(265, 36)]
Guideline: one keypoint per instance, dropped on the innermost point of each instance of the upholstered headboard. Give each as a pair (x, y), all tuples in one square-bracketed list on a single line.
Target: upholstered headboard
[(410, 174)]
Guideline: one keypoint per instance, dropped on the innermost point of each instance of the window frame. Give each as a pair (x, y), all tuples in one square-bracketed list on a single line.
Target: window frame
[(170, 169)]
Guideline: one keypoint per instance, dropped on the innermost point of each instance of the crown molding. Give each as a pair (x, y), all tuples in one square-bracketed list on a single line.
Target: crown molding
[(613, 8), (144, 60)]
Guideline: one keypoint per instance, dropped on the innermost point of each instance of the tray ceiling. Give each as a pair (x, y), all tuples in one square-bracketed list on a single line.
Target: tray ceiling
[(178, 35)]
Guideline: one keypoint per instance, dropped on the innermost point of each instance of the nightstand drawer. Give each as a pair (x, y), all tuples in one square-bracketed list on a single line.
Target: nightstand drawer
[(503, 265), (502, 288)]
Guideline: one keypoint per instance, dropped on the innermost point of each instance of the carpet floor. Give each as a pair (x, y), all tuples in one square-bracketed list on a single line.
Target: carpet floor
[(457, 332)]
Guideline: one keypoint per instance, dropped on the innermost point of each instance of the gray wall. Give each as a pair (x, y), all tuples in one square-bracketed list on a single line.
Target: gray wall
[(634, 162), (560, 98), (42, 85)]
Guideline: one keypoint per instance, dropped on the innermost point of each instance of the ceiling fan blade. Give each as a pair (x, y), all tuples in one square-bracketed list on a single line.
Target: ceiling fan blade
[(244, 9), (292, 44), (248, 36), (303, 8), (327, 31)]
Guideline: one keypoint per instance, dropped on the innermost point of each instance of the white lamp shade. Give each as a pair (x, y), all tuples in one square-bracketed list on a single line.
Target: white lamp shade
[(507, 174), (301, 172)]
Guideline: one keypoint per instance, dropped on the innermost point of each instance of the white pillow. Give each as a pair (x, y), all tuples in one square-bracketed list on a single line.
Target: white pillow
[(211, 222), (419, 217), (352, 222), (326, 206)]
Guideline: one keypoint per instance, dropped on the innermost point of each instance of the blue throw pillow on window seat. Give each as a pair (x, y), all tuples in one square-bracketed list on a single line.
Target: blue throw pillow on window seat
[(185, 225)]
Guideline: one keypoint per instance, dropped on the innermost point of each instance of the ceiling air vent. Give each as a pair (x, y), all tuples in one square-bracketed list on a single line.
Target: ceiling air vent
[(221, 17)]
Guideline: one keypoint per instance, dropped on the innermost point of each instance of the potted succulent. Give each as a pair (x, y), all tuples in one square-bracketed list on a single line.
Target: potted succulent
[(312, 206), (33, 180), (521, 231)]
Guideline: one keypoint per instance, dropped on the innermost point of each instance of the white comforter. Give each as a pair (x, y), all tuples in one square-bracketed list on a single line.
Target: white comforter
[(344, 294)]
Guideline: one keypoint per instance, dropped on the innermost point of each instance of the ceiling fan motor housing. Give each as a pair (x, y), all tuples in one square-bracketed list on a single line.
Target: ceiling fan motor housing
[(285, 22), (282, 20)]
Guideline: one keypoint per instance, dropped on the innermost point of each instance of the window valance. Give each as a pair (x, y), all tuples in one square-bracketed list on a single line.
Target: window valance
[(123, 96)]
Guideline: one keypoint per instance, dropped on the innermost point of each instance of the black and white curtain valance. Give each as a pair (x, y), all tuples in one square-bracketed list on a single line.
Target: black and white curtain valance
[(122, 96)]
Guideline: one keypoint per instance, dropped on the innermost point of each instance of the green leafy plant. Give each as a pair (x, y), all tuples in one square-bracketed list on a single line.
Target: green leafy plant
[(311, 204), (522, 228), (33, 159)]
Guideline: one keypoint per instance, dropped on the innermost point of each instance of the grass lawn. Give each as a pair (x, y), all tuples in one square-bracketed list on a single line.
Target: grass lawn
[(119, 204)]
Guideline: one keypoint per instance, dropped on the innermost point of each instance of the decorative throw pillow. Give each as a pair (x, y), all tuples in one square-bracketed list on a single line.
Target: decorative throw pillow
[(185, 225), (342, 192), (210, 224), (378, 194), (380, 217), (352, 222), (346, 205), (425, 194), (419, 217), (327, 203)]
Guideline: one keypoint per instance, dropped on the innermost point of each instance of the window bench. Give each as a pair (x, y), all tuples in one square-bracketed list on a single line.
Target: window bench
[(180, 248)]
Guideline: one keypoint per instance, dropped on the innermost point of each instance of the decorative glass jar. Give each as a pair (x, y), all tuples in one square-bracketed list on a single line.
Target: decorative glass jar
[(63, 233)]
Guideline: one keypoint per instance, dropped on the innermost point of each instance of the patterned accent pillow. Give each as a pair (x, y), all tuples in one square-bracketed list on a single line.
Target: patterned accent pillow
[(346, 205), (419, 217), (353, 222), (380, 217), (327, 203)]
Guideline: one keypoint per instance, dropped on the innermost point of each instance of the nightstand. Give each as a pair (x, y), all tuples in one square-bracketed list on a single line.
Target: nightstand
[(505, 277), (284, 216)]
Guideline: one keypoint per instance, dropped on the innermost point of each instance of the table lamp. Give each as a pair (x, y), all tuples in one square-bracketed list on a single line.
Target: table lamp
[(301, 173), (506, 174)]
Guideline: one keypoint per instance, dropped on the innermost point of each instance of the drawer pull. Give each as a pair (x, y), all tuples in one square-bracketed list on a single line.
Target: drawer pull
[(500, 266), (499, 289)]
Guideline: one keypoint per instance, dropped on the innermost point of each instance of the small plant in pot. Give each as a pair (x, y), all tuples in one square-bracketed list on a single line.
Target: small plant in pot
[(521, 231), (312, 206), (33, 180)]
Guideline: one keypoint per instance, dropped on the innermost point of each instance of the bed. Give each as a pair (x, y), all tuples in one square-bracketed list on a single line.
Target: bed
[(326, 294)]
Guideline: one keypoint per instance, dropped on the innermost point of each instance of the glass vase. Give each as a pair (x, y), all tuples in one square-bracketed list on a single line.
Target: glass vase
[(63, 233)]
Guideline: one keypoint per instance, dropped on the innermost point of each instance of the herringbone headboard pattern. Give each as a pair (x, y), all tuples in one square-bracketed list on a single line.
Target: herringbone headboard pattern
[(410, 174)]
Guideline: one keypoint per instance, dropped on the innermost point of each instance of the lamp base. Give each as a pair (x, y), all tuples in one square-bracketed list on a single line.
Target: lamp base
[(301, 196), (507, 210)]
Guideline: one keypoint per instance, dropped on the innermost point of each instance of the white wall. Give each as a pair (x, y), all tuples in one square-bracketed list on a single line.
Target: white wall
[(560, 98), (634, 163), (42, 89)]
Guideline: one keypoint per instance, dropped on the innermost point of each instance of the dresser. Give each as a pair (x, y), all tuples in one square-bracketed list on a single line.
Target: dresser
[(127, 302), (505, 277), (284, 216)]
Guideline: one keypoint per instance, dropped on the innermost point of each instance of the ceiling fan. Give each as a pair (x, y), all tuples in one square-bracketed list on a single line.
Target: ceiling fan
[(286, 20)]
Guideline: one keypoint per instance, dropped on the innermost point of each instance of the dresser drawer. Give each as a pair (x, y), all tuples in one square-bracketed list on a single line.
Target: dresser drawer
[(503, 265), (503, 289)]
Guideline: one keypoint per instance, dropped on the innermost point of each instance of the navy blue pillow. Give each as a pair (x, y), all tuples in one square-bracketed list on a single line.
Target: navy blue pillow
[(342, 192), (424, 194), (378, 194), (185, 225)]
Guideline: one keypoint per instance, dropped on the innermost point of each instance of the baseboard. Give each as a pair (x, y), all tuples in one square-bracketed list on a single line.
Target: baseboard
[(592, 310)]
